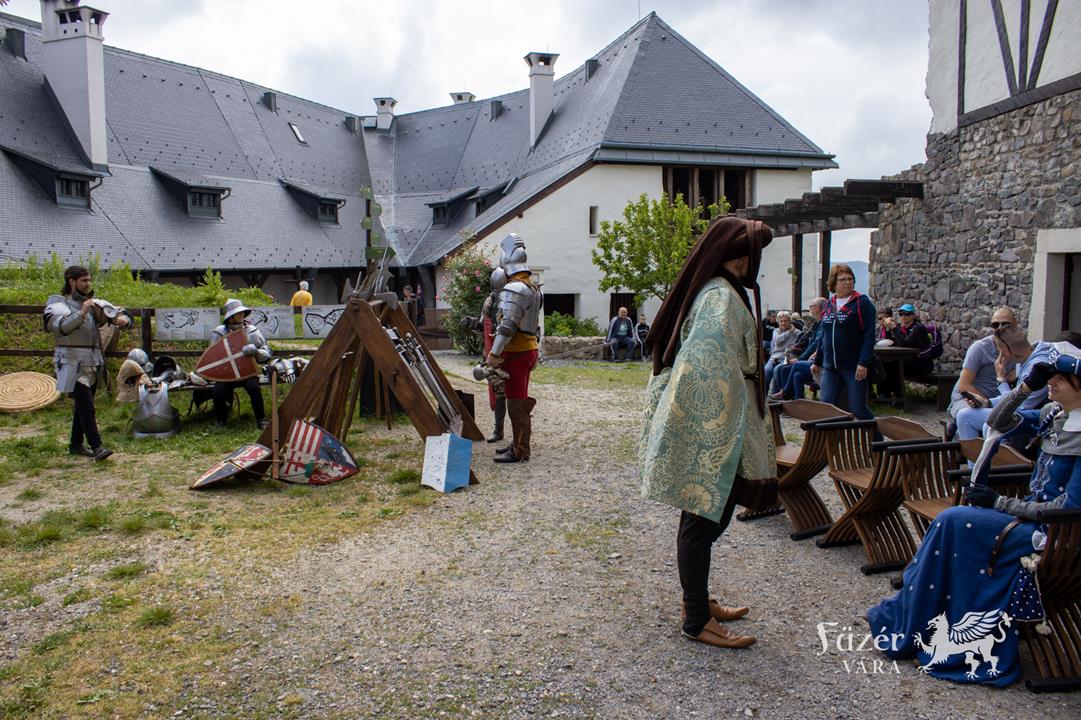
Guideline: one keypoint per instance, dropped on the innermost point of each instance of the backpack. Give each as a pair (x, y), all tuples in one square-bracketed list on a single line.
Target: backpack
[(934, 350)]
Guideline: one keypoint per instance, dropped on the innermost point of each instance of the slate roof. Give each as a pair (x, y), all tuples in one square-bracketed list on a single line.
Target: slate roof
[(202, 128), (654, 98)]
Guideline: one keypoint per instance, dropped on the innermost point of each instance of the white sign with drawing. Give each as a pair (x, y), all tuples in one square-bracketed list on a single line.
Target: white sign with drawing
[(319, 319), (447, 459), (275, 322), (186, 323)]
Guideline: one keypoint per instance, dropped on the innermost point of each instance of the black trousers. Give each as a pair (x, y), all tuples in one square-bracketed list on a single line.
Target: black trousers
[(223, 397), (694, 543), (84, 422)]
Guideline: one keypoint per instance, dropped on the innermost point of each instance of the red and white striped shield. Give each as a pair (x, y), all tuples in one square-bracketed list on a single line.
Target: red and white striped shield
[(224, 360), (314, 457)]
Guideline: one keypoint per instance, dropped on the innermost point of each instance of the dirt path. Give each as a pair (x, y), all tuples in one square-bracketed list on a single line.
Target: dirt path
[(550, 590)]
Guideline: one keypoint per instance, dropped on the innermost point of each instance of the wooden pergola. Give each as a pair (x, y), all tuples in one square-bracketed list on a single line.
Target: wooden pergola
[(856, 205)]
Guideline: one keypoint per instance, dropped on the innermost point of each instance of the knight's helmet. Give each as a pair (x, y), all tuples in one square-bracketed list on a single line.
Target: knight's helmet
[(513, 259), (499, 279), (232, 307)]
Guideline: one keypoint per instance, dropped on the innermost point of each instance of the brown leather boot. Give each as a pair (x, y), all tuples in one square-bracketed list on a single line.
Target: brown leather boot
[(718, 635), (518, 410)]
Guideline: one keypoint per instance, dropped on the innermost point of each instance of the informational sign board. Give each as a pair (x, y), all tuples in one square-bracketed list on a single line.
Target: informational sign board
[(317, 320), (447, 458), (275, 322), (186, 323)]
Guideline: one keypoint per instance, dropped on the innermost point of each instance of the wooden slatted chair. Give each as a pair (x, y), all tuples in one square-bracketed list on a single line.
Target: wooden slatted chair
[(868, 477), (797, 466), (1058, 655)]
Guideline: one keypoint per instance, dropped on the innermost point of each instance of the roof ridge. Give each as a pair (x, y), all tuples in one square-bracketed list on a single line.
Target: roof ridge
[(630, 69), (740, 86)]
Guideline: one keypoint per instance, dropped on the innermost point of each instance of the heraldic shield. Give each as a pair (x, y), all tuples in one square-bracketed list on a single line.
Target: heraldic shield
[(237, 463), (315, 457), (225, 360)]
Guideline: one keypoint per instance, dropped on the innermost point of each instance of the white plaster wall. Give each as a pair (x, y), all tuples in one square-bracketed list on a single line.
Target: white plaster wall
[(944, 23), (985, 76), (775, 278), (556, 232)]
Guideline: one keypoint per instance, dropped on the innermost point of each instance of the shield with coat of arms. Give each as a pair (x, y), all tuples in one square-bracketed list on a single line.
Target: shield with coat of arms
[(244, 461), (225, 361)]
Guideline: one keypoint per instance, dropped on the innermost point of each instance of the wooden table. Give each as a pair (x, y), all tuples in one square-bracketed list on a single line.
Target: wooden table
[(895, 354)]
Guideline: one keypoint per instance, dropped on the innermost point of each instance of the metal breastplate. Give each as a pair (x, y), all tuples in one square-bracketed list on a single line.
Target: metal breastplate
[(154, 415), (521, 304)]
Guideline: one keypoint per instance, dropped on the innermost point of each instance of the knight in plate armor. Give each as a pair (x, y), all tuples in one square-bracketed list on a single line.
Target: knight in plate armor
[(514, 347), (76, 320), (489, 320), (236, 318)]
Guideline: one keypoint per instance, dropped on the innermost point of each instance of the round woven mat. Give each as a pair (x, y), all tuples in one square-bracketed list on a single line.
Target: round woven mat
[(25, 391)]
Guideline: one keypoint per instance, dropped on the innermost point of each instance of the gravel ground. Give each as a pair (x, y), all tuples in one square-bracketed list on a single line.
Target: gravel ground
[(549, 590)]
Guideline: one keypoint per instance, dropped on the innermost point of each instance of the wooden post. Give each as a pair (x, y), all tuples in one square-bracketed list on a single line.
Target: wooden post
[(824, 240), (147, 332), (797, 272)]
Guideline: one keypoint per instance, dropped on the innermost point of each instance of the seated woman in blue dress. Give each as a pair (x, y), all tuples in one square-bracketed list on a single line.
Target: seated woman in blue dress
[(971, 581)]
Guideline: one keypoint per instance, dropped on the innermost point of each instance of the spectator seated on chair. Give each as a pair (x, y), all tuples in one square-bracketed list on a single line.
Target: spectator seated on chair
[(769, 324), (911, 333), (640, 332), (789, 380), (784, 338), (980, 370), (621, 336), (1012, 344)]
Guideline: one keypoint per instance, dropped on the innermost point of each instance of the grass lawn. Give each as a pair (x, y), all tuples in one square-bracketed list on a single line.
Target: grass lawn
[(114, 576)]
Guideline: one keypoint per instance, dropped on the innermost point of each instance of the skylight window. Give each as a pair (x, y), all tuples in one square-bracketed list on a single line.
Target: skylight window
[(297, 133)]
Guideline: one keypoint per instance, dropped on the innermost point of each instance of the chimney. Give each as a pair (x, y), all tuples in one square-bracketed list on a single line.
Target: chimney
[(541, 97), (72, 55), (270, 99), (592, 64), (384, 112), (462, 97)]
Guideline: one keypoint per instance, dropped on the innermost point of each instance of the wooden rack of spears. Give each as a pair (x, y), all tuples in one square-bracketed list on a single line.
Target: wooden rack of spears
[(373, 330)]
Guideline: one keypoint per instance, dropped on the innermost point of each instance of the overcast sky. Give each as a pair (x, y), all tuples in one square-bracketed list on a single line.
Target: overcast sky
[(849, 74)]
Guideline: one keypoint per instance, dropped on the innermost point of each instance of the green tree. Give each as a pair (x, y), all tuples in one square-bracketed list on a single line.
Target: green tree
[(644, 252), (468, 284)]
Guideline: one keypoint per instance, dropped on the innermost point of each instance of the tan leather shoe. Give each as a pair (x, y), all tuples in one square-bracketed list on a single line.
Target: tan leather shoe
[(718, 635), (725, 613), (722, 613)]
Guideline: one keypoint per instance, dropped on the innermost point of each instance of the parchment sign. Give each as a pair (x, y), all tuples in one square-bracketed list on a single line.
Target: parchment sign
[(317, 320), (275, 322), (186, 323)]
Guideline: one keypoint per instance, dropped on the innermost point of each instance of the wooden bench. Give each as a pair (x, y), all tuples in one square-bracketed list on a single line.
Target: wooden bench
[(868, 478), (1058, 571), (797, 466), (944, 383)]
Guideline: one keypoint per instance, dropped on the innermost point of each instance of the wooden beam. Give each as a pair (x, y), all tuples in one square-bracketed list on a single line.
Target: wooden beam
[(797, 272), (883, 189), (825, 239)]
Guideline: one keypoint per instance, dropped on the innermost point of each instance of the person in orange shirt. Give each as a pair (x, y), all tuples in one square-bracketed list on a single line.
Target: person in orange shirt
[(515, 345)]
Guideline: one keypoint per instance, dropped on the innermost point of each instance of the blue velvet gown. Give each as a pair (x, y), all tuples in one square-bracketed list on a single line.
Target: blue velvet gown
[(958, 611)]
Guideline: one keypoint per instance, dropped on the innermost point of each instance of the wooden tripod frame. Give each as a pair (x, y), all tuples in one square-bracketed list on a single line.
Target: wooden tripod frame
[(328, 389)]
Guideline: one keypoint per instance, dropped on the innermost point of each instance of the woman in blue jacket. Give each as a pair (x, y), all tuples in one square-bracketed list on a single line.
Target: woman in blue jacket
[(847, 344)]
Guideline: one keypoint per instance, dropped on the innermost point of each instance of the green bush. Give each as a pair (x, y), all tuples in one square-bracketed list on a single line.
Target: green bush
[(556, 324), (468, 284)]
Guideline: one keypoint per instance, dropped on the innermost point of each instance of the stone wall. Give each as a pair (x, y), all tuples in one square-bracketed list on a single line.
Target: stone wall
[(557, 345), (968, 245)]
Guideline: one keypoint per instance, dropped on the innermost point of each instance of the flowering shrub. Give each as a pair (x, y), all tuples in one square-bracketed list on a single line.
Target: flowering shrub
[(468, 284)]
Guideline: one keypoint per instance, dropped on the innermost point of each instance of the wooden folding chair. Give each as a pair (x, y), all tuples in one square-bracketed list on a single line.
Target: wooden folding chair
[(868, 478), (1058, 655), (797, 466)]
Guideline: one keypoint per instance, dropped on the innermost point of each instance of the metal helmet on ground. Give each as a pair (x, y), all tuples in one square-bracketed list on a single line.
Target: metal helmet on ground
[(513, 258), (232, 307), (139, 356)]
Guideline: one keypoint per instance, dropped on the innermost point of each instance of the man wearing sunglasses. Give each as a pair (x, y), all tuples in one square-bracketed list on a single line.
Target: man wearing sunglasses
[(982, 367), (910, 333)]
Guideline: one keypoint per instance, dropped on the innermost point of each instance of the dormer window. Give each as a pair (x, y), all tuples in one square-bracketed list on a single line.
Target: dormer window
[(328, 211), (446, 209), (440, 215), (297, 133), (72, 191), (203, 203)]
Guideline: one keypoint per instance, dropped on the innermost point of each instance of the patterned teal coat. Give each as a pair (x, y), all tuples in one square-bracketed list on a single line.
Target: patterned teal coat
[(702, 426)]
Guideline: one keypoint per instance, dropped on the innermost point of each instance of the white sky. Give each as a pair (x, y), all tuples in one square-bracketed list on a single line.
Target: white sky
[(849, 74)]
